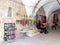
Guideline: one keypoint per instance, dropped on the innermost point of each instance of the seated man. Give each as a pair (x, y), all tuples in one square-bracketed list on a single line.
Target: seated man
[(54, 26)]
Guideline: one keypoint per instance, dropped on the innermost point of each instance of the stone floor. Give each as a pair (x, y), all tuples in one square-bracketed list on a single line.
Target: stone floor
[(52, 38)]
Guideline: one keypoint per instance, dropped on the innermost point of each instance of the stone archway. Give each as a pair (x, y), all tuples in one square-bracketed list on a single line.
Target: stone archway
[(41, 11), (50, 17)]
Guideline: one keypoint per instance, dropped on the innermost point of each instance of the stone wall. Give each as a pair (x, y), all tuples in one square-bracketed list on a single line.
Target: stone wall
[(41, 11), (17, 11)]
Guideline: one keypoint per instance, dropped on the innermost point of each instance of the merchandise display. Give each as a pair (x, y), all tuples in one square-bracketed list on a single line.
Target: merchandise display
[(30, 31), (9, 31), (32, 34)]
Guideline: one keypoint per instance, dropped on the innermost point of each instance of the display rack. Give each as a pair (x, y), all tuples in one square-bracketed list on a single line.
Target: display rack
[(9, 31)]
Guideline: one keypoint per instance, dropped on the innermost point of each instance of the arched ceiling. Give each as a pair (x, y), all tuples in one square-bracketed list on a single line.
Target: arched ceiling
[(32, 6), (51, 7)]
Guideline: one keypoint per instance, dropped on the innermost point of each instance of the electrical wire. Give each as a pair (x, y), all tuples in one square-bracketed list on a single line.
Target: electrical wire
[(58, 2)]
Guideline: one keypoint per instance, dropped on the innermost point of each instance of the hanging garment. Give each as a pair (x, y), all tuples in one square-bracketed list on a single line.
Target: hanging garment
[(38, 21), (55, 19), (43, 22), (38, 25)]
